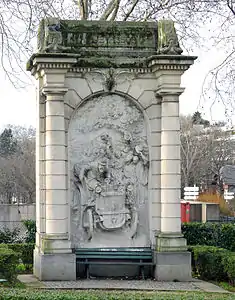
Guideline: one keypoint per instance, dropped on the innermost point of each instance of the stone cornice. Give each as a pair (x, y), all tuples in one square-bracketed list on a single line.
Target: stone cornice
[(38, 63), (170, 62), (73, 63), (127, 70)]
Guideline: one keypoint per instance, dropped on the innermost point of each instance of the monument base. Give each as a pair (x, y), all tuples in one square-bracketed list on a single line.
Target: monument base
[(173, 261), (56, 266), (171, 243), (173, 266)]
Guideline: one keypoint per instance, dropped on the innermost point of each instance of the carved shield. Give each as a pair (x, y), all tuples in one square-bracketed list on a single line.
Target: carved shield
[(110, 206)]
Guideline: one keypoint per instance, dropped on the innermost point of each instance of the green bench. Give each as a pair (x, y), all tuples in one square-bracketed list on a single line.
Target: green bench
[(2, 279), (140, 257)]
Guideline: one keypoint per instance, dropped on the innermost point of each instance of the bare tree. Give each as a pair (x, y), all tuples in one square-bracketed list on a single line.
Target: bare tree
[(193, 149), (17, 170), (203, 152)]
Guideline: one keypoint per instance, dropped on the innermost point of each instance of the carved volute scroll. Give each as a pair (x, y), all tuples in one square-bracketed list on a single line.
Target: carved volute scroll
[(109, 162)]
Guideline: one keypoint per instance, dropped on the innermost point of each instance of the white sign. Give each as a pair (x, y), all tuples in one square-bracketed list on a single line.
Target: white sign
[(190, 197), (191, 192), (191, 189), (228, 195)]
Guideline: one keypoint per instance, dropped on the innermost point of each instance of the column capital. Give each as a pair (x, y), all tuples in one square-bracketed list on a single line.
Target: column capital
[(54, 90), (168, 94)]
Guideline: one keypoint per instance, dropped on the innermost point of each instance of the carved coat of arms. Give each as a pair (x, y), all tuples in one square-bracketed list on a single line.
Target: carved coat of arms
[(108, 191)]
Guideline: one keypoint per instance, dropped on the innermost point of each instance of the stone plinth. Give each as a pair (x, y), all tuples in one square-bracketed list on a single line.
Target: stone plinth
[(108, 143)]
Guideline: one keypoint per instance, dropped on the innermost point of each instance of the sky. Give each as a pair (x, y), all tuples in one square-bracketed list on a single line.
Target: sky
[(192, 80), (18, 106)]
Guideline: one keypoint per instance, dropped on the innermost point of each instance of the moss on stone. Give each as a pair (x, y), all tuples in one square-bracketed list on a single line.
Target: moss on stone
[(106, 44)]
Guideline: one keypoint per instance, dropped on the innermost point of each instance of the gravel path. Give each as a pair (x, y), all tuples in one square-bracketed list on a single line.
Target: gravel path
[(122, 285)]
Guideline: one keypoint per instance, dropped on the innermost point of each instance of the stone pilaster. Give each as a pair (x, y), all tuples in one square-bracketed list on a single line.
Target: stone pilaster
[(53, 257), (173, 262), (170, 238), (56, 205), (40, 155)]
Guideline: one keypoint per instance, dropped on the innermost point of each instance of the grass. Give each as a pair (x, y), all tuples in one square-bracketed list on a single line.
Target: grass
[(17, 284), (226, 286), (30, 294)]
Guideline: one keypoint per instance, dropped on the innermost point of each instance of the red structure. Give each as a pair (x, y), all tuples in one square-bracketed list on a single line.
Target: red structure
[(185, 212)]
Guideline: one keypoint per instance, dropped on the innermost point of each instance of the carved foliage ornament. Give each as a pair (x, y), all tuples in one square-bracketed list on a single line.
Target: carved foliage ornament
[(111, 77)]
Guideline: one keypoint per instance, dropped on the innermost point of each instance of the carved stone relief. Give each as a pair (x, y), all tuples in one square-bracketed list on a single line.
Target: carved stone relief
[(109, 162), (168, 43), (110, 78)]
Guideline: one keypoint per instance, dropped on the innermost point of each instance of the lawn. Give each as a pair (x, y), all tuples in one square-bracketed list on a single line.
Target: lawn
[(30, 294)]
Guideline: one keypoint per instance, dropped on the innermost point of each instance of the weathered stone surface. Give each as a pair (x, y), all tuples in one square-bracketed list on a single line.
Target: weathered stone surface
[(107, 44), (167, 38), (170, 241), (69, 36), (55, 267), (175, 266), (72, 99), (80, 86), (108, 162)]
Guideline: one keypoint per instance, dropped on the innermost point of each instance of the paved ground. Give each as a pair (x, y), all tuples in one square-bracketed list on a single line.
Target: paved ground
[(107, 284)]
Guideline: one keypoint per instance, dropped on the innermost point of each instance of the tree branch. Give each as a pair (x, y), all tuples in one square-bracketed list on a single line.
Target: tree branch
[(117, 5), (135, 2), (110, 8), (83, 7), (230, 6)]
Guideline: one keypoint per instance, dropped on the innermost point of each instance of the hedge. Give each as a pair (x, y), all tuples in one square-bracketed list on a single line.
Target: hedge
[(8, 264), (25, 256), (25, 251), (9, 235), (213, 263), (31, 230), (210, 234)]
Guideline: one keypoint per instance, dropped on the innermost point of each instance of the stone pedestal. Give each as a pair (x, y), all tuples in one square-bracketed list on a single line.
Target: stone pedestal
[(173, 266), (173, 261), (53, 267), (108, 143)]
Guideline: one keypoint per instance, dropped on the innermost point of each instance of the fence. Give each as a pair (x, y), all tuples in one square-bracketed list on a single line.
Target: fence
[(11, 216)]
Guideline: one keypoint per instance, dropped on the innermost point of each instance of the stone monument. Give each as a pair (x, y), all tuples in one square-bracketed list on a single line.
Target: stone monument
[(108, 143)]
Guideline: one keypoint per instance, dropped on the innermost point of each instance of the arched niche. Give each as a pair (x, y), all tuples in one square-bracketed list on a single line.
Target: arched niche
[(108, 161)]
